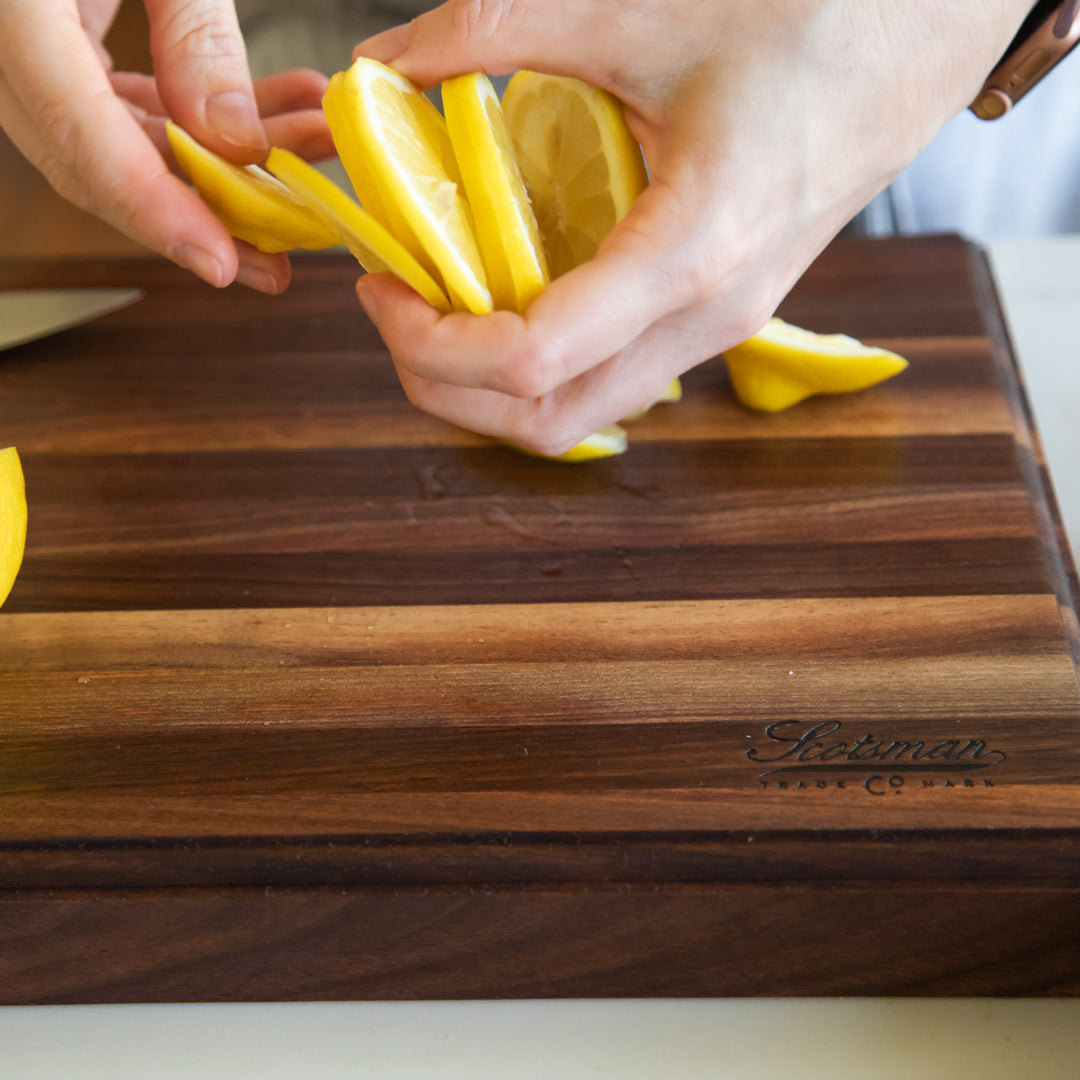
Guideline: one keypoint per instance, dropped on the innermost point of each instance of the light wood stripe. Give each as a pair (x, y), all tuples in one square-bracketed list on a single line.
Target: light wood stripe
[(981, 691), (86, 643), (76, 815)]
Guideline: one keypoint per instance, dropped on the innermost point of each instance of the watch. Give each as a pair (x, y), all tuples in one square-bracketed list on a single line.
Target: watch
[(1046, 36)]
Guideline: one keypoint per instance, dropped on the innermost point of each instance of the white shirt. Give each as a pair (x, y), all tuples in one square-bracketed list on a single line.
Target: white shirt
[(994, 180)]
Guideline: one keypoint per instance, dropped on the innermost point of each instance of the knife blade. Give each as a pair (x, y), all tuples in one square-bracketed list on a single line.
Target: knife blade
[(29, 314)]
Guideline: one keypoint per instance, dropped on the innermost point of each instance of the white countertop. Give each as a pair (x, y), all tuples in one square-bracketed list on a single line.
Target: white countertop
[(557, 1040), (766, 1039), (1039, 284)]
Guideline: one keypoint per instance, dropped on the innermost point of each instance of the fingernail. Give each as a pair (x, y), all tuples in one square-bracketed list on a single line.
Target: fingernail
[(199, 262), (259, 280), (235, 118)]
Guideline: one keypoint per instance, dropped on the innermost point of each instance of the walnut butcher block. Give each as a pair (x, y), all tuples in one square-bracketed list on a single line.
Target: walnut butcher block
[(305, 694)]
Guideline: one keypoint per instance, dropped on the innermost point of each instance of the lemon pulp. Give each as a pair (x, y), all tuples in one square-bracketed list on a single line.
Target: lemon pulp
[(581, 163)]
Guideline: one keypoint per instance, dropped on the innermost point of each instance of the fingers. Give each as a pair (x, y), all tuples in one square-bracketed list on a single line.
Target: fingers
[(579, 320), (496, 37), (200, 64), (290, 91), (290, 104), (138, 90), (554, 422), (97, 17), (598, 342), (260, 271), (57, 105), (303, 131)]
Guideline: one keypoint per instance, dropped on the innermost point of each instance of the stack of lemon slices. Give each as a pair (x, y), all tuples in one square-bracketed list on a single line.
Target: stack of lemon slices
[(478, 207)]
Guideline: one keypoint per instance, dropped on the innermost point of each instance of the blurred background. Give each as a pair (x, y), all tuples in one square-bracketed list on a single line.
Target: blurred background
[(1016, 178)]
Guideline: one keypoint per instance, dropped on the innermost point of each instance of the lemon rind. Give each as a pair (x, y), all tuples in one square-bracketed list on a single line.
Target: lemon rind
[(14, 517), (506, 229), (783, 364), (610, 441)]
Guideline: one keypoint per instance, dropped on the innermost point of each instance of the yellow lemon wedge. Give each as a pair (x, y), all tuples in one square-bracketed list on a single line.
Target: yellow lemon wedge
[(612, 440), (253, 205), (12, 519), (372, 246), (506, 228), (395, 147), (783, 364), (582, 166)]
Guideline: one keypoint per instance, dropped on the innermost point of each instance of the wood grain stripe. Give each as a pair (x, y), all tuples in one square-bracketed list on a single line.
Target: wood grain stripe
[(88, 643), (551, 693), (492, 575), (171, 399)]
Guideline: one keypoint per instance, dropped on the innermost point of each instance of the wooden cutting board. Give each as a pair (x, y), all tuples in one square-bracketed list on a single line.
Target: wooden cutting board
[(305, 694)]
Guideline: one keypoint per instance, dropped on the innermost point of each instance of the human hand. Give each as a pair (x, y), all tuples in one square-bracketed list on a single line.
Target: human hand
[(98, 136), (766, 127)]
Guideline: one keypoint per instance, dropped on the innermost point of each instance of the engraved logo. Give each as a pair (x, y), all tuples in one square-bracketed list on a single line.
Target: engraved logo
[(820, 756)]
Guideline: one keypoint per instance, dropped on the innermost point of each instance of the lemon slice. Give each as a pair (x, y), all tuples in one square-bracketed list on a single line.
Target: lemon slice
[(506, 228), (373, 247), (607, 442), (783, 364), (251, 203), (394, 146), (12, 519), (582, 165)]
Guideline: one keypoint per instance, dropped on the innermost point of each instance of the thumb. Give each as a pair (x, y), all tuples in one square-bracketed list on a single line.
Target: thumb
[(200, 65), (565, 37)]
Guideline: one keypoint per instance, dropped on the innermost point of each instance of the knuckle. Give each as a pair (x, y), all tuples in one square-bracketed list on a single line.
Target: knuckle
[(751, 317), (703, 268), (414, 392), (478, 21), (200, 31), (532, 372), (65, 160), (56, 126), (545, 435)]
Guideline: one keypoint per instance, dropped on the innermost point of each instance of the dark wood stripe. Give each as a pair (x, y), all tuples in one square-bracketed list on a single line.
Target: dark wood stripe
[(655, 471), (565, 754), (513, 858), (621, 572)]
